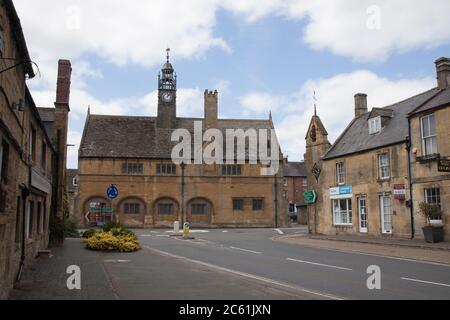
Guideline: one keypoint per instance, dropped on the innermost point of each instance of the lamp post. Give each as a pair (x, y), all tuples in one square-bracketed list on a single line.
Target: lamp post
[(183, 183)]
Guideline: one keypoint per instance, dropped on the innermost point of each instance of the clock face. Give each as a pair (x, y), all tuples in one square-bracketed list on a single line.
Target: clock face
[(167, 97)]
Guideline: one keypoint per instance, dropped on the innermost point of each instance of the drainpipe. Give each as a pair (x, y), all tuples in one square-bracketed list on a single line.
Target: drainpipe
[(25, 194), (411, 206), (276, 201)]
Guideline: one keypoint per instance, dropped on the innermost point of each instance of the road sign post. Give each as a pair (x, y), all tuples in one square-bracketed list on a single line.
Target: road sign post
[(112, 192), (310, 197)]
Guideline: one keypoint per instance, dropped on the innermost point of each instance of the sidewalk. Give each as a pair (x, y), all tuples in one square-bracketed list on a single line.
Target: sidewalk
[(411, 243), (141, 275), (397, 248)]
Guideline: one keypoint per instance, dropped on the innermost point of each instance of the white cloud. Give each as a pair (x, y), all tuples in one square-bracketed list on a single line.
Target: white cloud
[(336, 104), (262, 103)]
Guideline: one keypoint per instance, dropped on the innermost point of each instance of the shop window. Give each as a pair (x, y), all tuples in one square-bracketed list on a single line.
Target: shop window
[(342, 212)]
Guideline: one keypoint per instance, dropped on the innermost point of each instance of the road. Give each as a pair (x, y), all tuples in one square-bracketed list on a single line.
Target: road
[(321, 273)]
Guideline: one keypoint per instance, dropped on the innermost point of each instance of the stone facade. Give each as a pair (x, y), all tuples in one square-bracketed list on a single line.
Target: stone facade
[(136, 158), (296, 184), (372, 179), (26, 159)]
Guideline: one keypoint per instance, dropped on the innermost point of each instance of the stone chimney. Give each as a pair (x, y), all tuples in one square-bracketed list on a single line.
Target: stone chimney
[(211, 109), (360, 104), (63, 84), (443, 72)]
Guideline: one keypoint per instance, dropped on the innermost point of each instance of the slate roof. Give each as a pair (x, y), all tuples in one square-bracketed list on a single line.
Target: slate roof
[(48, 118), (440, 100), (356, 137), (138, 137), (295, 169), (70, 174)]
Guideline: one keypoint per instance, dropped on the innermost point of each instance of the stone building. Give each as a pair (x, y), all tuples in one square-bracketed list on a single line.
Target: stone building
[(296, 183), (430, 151), (362, 181), (72, 193), (27, 158), (134, 155)]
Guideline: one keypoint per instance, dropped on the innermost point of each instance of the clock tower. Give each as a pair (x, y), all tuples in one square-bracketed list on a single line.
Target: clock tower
[(167, 96)]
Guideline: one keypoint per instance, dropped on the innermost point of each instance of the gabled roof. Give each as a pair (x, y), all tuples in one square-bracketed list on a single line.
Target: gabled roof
[(295, 169), (320, 126), (139, 138), (440, 100), (381, 112), (356, 137)]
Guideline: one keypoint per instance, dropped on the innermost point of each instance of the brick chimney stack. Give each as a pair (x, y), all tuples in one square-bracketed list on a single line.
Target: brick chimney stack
[(63, 84), (360, 104), (443, 72), (59, 133), (211, 109)]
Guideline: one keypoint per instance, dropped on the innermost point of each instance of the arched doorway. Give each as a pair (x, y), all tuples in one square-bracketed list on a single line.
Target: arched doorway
[(199, 212)]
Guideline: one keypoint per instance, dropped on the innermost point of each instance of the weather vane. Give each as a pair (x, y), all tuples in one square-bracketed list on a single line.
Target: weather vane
[(315, 103)]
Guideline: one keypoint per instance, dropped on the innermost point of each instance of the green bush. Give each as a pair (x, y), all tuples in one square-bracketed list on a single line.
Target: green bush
[(430, 211), (89, 233), (71, 228), (112, 225), (57, 231)]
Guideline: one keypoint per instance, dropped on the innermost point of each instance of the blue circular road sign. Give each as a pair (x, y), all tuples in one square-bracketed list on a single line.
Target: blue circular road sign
[(112, 192)]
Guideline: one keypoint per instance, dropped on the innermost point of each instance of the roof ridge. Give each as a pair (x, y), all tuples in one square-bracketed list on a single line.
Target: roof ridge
[(410, 98)]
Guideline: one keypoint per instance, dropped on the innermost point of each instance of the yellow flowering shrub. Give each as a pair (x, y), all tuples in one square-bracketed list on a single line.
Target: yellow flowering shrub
[(107, 241)]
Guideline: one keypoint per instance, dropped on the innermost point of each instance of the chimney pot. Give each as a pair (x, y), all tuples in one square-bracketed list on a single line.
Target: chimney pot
[(443, 72), (360, 104)]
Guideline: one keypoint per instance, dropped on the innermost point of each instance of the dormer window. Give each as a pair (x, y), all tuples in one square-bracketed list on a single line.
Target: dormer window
[(374, 125)]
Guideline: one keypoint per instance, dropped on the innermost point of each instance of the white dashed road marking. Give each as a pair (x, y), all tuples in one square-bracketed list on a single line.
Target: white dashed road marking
[(319, 264), (245, 250), (427, 282)]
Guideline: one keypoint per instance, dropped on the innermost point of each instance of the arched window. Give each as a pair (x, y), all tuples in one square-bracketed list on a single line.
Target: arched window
[(200, 207), (166, 207), (132, 206)]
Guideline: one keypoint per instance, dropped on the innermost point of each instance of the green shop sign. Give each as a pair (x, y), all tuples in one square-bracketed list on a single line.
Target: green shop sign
[(310, 197)]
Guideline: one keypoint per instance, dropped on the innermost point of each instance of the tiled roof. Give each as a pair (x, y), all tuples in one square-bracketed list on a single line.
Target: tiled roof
[(356, 137), (138, 137), (295, 169)]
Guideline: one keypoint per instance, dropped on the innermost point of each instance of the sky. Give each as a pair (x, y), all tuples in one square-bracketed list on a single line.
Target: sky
[(261, 55)]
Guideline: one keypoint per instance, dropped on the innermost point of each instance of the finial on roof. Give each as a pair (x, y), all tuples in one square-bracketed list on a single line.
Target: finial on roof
[(315, 103), (89, 109), (270, 115), (168, 54)]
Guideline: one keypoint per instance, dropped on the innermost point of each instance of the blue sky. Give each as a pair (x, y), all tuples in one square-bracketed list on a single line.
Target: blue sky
[(260, 55)]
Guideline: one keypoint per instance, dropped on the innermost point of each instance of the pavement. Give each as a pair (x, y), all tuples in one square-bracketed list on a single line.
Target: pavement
[(239, 264)]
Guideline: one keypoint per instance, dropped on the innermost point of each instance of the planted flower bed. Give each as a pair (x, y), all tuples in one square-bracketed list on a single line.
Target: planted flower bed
[(113, 237)]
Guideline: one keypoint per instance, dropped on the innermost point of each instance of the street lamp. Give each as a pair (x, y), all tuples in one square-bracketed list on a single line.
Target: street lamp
[(183, 168)]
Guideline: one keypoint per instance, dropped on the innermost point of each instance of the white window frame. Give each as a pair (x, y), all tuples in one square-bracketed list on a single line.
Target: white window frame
[(342, 217), (340, 173), (363, 228), (436, 198), (384, 169), (383, 214), (428, 136), (374, 125)]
